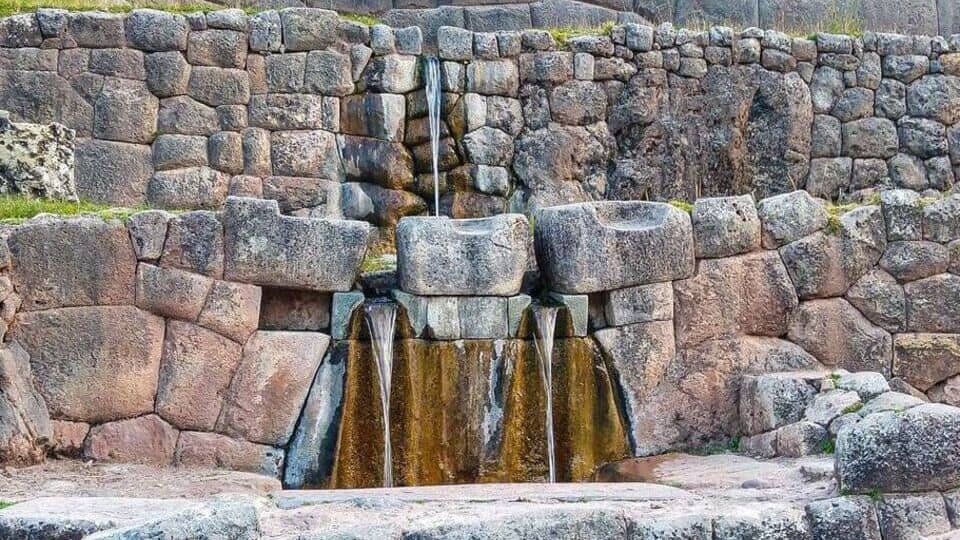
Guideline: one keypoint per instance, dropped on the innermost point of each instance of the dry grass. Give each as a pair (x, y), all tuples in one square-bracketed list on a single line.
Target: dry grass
[(12, 7), (562, 35)]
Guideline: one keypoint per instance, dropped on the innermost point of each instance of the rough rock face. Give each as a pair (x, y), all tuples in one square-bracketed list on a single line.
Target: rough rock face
[(593, 247), (915, 450), (36, 160), (479, 257), (25, 428)]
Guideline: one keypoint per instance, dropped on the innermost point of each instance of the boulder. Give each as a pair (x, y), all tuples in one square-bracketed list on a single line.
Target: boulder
[(373, 115), (478, 257), (190, 188), (830, 405), (890, 401), (801, 439), (93, 364), (195, 243), (271, 383), (913, 260), (592, 247), (305, 153), (913, 516), (935, 96), (902, 214), (880, 299), (212, 450), (112, 172), (265, 248), (25, 428), (744, 295), (914, 450), (195, 372), (933, 304), (839, 336), (145, 439), (848, 517), (941, 220), (68, 437), (788, 217), (725, 226), (771, 401), (37, 160), (72, 262), (222, 516), (924, 360), (384, 163), (152, 30), (867, 384), (232, 310), (170, 292), (125, 111)]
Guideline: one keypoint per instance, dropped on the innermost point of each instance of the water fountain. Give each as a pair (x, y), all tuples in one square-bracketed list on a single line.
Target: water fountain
[(433, 92), (546, 322), (381, 318)]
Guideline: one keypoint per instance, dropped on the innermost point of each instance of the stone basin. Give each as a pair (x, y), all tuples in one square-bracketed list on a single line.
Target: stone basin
[(602, 246), (459, 257)]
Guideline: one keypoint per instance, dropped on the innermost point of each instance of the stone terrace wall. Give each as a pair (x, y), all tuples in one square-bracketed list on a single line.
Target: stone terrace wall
[(197, 338), (328, 117)]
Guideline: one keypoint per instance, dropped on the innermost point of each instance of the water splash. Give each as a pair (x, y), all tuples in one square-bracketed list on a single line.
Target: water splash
[(546, 321), (434, 95), (381, 319)]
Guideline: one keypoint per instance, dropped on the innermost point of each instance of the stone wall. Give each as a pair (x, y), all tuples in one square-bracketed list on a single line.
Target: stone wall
[(205, 337), (328, 117)]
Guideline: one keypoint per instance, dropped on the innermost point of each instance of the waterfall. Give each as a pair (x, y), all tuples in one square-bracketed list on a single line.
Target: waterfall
[(433, 92), (381, 317), (546, 319)]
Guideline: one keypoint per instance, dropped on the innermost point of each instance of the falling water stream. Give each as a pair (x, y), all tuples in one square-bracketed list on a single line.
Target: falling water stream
[(433, 90), (381, 317), (546, 319)]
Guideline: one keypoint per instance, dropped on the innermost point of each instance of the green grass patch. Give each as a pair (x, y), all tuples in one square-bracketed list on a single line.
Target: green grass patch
[(380, 257), (366, 20), (682, 205), (5, 504), (563, 35), (828, 446), (834, 211), (15, 209), (721, 446), (852, 408), (12, 7)]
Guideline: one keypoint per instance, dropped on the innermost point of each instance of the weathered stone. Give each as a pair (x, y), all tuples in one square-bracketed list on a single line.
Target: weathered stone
[(288, 309), (572, 238), (829, 176), (923, 138), (825, 141), (305, 154), (908, 172), (124, 63), (72, 262), (274, 375), (37, 160), (749, 294), (225, 149), (891, 99), (892, 402), (801, 439), (221, 48), (839, 336), (387, 164), (902, 214), (179, 151), (265, 248), (393, 73), (228, 19), (843, 517), (941, 220), (93, 364), (219, 86), (148, 231), (455, 43), (25, 428), (489, 146), (195, 372), (68, 437), (914, 450), (493, 77), (170, 292), (905, 68), (266, 32), (830, 405), (880, 299), (328, 73), (306, 29), (190, 188), (152, 30), (854, 104), (21, 30), (97, 29), (870, 137), (788, 217), (643, 303), (933, 304), (212, 450), (482, 317), (770, 401), (827, 263), (146, 439), (912, 516), (432, 255), (195, 243), (125, 111), (113, 172), (231, 309), (913, 260), (826, 87), (924, 360), (182, 115), (374, 115), (286, 111), (936, 97), (868, 173), (546, 67)]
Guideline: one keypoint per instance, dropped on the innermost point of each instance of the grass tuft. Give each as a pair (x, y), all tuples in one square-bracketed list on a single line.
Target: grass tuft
[(682, 205), (5, 504), (852, 408), (15, 209), (380, 257), (563, 35), (12, 7), (718, 447), (366, 20), (828, 446)]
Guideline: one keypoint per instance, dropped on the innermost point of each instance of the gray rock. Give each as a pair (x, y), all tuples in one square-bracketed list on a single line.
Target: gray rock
[(924, 360), (455, 43), (226, 152), (932, 304), (225, 516), (387, 164), (190, 188), (788, 217), (409, 40), (829, 176), (643, 303), (125, 111), (228, 19), (219, 86), (870, 137), (881, 300), (25, 428), (313, 254), (830, 405), (483, 317), (726, 226), (891, 99), (890, 402), (801, 439), (902, 214), (179, 151), (826, 87), (306, 29), (771, 401), (22, 30), (381, 39), (868, 173), (825, 141), (866, 384), (839, 336), (306, 154), (936, 97), (843, 517), (914, 450), (37, 161), (195, 243), (941, 220), (328, 73), (148, 231), (432, 255), (905, 68), (762, 445), (170, 292), (374, 115), (442, 317), (854, 104), (393, 73), (555, 67), (912, 516), (578, 103), (922, 137), (96, 29), (112, 172), (152, 30), (223, 48), (913, 260), (908, 172), (493, 77), (184, 116), (266, 32), (573, 239)]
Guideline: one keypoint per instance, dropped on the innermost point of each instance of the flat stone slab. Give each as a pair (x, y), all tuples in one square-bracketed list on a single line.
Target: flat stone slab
[(601, 246), (75, 517)]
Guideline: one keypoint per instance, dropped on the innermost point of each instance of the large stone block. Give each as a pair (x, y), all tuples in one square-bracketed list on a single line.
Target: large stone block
[(190, 188), (170, 292), (923, 360), (493, 77), (725, 226), (941, 220), (25, 428), (305, 153), (215, 86), (384, 163), (194, 243), (881, 300), (643, 303), (936, 97), (771, 401), (93, 364), (374, 115), (152, 30), (232, 310), (221, 48), (146, 439), (745, 295), (113, 172), (913, 260), (479, 257), (853, 518), (592, 247), (271, 384), (72, 262), (306, 29), (195, 372), (933, 304), (265, 248), (788, 217), (914, 450), (212, 450), (839, 336)]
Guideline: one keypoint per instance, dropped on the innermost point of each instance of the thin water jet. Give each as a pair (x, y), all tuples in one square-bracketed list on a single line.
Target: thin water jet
[(381, 320), (434, 95), (545, 318)]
